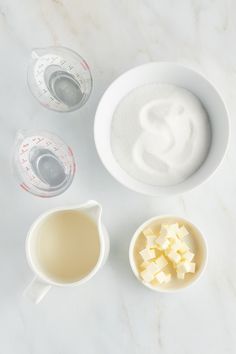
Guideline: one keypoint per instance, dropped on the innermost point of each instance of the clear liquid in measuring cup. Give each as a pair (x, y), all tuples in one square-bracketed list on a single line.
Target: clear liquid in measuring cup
[(44, 164), (47, 167), (59, 78), (63, 86)]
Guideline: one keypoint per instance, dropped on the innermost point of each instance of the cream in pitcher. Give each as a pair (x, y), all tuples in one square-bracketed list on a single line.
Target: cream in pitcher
[(66, 247)]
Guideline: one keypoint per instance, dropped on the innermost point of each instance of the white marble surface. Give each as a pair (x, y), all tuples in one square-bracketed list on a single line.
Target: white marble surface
[(113, 313)]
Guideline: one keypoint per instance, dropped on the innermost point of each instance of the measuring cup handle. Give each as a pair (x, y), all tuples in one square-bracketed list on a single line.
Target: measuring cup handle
[(36, 290)]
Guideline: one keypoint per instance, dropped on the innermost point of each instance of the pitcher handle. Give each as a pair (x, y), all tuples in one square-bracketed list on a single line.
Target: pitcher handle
[(36, 290)]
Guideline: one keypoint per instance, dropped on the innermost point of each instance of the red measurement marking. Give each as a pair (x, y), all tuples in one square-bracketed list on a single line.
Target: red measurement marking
[(23, 161), (39, 140), (70, 151), (85, 65), (24, 187), (25, 145), (23, 151)]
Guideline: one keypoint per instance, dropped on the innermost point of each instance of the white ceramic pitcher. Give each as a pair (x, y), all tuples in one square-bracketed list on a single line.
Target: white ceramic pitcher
[(41, 284)]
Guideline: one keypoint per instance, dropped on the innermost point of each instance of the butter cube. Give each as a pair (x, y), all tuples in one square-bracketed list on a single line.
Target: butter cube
[(182, 232), (180, 275), (173, 256), (176, 245), (183, 267), (144, 265), (161, 262), (192, 267), (172, 231), (168, 278), (148, 232), (164, 230), (166, 247), (147, 276), (147, 254), (188, 256), (152, 268), (151, 241), (162, 277), (184, 247), (162, 242)]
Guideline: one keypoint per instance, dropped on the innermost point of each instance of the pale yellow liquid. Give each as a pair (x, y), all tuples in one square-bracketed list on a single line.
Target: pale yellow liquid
[(66, 246)]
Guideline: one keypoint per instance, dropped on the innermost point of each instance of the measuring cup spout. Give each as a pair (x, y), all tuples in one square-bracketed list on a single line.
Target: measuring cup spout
[(36, 53), (20, 134)]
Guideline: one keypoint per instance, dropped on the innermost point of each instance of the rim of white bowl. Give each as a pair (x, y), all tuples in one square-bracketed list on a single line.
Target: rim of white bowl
[(164, 191)]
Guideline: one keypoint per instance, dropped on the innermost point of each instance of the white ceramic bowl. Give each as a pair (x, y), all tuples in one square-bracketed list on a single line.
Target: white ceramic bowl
[(199, 248), (168, 73)]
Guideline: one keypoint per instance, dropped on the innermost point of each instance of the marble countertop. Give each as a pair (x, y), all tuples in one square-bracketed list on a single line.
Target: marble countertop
[(113, 313)]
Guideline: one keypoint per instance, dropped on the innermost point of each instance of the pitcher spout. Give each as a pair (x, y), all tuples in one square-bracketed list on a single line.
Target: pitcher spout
[(93, 209)]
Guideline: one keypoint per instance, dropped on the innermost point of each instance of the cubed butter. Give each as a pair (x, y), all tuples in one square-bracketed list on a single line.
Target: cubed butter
[(168, 278), (162, 277), (167, 246), (176, 245), (173, 230), (144, 264), (184, 247), (162, 242), (173, 256), (188, 256), (180, 275), (147, 254), (161, 262), (164, 230), (151, 241), (153, 268), (147, 276), (182, 232), (148, 232), (183, 267)]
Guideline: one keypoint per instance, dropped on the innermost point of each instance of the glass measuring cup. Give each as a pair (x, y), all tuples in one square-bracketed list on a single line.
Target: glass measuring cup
[(59, 78), (44, 164)]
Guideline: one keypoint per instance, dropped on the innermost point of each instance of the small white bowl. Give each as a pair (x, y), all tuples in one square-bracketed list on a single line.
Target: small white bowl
[(168, 73), (198, 243)]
